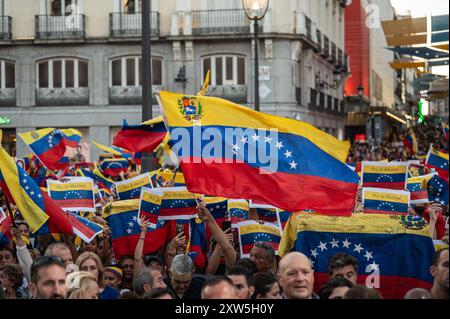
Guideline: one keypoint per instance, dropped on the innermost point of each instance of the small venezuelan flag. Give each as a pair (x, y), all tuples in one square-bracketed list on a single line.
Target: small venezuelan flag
[(384, 175), (385, 201)]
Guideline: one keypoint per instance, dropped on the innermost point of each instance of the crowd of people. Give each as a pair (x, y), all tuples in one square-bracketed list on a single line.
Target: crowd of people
[(393, 147), (58, 266)]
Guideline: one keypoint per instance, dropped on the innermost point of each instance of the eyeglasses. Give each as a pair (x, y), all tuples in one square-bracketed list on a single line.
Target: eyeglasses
[(48, 260)]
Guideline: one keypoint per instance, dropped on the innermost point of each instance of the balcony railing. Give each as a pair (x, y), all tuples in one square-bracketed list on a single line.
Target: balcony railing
[(308, 27), (8, 97), (62, 96), (333, 53), (304, 25), (5, 27), (130, 25), (345, 62), (340, 61), (219, 22), (60, 27), (319, 40), (326, 47)]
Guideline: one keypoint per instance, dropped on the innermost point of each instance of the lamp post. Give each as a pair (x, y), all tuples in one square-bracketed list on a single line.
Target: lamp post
[(256, 10), (360, 92), (147, 104)]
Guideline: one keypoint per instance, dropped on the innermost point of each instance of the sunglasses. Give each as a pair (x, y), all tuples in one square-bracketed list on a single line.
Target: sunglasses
[(48, 260)]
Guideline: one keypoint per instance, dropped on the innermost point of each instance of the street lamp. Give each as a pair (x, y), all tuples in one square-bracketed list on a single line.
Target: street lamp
[(256, 10), (360, 92)]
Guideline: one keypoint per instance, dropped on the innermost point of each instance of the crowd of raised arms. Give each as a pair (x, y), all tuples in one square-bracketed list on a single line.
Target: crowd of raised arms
[(59, 266)]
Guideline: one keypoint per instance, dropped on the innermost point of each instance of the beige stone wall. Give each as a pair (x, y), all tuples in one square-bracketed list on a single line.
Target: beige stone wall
[(22, 13)]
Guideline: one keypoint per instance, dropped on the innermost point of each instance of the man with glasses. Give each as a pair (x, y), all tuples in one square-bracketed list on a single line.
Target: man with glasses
[(48, 278), (181, 278), (343, 265)]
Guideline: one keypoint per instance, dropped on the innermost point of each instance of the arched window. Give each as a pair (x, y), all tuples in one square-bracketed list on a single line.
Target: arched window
[(225, 69), (62, 73), (126, 71), (7, 74)]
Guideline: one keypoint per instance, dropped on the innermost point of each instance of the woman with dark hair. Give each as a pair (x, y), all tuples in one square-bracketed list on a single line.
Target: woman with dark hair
[(11, 280), (266, 287)]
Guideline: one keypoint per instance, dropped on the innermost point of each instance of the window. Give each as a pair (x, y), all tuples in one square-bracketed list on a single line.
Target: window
[(7, 74), (62, 7), (225, 69), (62, 73), (127, 71)]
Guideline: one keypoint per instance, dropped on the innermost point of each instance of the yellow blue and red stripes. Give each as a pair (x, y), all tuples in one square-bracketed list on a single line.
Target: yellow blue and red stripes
[(141, 138), (310, 173), (398, 248)]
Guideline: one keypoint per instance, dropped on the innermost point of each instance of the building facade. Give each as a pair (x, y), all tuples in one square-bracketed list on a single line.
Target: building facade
[(378, 98), (76, 63)]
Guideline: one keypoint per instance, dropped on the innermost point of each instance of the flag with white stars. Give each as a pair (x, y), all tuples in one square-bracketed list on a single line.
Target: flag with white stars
[(114, 166), (417, 186), (230, 151), (177, 204), (150, 204), (385, 201), (49, 145), (398, 249), (39, 211), (384, 175), (77, 194), (437, 189), (131, 188), (238, 210), (251, 232), (123, 219)]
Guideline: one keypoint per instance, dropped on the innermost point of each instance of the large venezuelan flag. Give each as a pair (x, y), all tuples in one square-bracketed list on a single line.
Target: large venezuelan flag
[(49, 145), (307, 171), (122, 216), (141, 138), (40, 212), (399, 248)]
